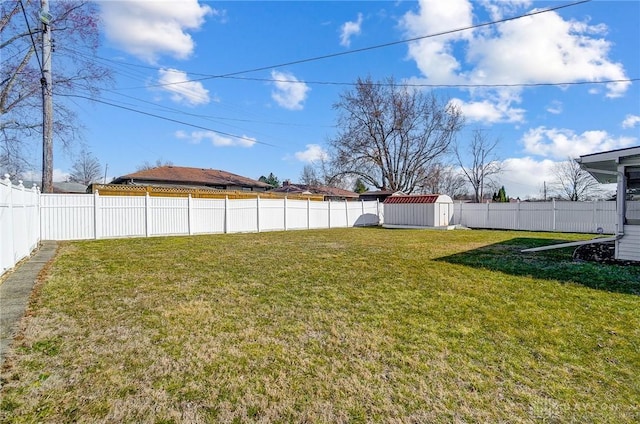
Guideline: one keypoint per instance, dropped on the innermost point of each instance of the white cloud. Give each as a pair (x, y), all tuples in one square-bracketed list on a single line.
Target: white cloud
[(182, 90), (540, 49), (488, 111), (289, 92), (216, 139), (149, 28), (555, 107), (314, 152), (630, 121), (525, 177), (349, 29), (58, 176), (564, 143), (566, 51), (434, 56)]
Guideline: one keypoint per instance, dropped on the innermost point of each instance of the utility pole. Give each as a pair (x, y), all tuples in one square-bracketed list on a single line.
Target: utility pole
[(47, 100)]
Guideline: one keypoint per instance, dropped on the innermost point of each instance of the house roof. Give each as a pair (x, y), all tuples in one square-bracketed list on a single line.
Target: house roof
[(381, 193), (316, 189), (420, 198), (61, 186), (193, 176), (604, 166)]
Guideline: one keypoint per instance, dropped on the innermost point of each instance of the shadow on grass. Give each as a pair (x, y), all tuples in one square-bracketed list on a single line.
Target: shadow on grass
[(556, 264)]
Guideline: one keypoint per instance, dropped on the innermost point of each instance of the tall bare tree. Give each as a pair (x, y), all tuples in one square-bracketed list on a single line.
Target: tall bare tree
[(309, 176), (75, 72), (444, 179), (389, 135), (157, 164), (571, 182), (86, 169), (481, 165)]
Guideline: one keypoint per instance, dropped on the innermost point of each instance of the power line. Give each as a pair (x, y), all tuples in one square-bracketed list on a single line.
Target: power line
[(378, 46), (33, 43), (212, 117), (170, 119), (532, 84), (342, 83)]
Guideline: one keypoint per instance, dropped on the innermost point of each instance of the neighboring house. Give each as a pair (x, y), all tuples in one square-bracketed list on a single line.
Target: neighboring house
[(61, 187), (192, 178), (379, 195), (329, 193), (623, 168)]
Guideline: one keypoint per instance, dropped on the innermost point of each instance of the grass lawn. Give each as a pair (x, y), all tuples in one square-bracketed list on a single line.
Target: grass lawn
[(345, 325)]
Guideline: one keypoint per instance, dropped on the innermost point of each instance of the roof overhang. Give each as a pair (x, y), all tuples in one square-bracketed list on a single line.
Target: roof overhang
[(604, 166)]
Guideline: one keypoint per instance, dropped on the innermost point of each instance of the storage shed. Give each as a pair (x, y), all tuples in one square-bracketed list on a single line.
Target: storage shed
[(418, 211)]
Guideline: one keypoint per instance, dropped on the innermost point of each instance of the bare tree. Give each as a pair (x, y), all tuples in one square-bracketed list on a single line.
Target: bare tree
[(571, 182), (75, 72), (86, 169), (309, 176), (444, 179), (389, 135), (158, 163), (482, 164)]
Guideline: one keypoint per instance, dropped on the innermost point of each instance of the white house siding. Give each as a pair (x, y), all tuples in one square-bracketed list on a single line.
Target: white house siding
[(629, 245)]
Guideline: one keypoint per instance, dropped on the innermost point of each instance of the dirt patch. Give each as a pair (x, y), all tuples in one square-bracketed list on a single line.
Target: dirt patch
[(600, 252)]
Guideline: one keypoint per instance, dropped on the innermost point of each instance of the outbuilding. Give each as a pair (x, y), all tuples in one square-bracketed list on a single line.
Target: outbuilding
[(418, 211)]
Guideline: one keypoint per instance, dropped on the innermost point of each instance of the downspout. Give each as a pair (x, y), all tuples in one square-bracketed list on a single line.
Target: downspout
[(621, 199), (621, 203)]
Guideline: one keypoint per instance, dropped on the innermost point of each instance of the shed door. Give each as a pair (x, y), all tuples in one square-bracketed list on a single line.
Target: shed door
[(444, 214)]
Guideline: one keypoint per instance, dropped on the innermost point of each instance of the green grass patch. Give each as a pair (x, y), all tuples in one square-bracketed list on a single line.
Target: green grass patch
[(347, 325)]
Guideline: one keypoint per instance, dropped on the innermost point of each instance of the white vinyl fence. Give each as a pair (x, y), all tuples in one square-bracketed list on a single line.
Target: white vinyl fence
[(568, 217), (91, 216), (26, 217), (19, 222)]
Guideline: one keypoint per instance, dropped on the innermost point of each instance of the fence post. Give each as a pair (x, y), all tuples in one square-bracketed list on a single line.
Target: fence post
[(308, 213), (258, 213), (594, 222), (329, 215), (226, 214), (285, 213), (553, 207), (10, 244), (518, 216), (190, 214), (486, 225), (97, 216), (346, 212), (147, 199)]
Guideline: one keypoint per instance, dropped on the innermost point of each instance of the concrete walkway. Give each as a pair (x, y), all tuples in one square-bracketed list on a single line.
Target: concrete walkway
[(15, 292)]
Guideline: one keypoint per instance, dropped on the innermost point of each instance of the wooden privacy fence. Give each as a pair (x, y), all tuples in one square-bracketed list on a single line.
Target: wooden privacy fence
[(93, 216), (19, 222), (561, 216)]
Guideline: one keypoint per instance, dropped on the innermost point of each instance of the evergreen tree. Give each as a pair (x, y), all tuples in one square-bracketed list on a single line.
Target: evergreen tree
[(272, 180), (359, 186)]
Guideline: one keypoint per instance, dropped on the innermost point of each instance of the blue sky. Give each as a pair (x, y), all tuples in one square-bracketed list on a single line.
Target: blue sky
[(166, 56)]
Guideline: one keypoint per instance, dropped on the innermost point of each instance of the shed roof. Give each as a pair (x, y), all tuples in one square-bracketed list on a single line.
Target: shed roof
[(420, 198)]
